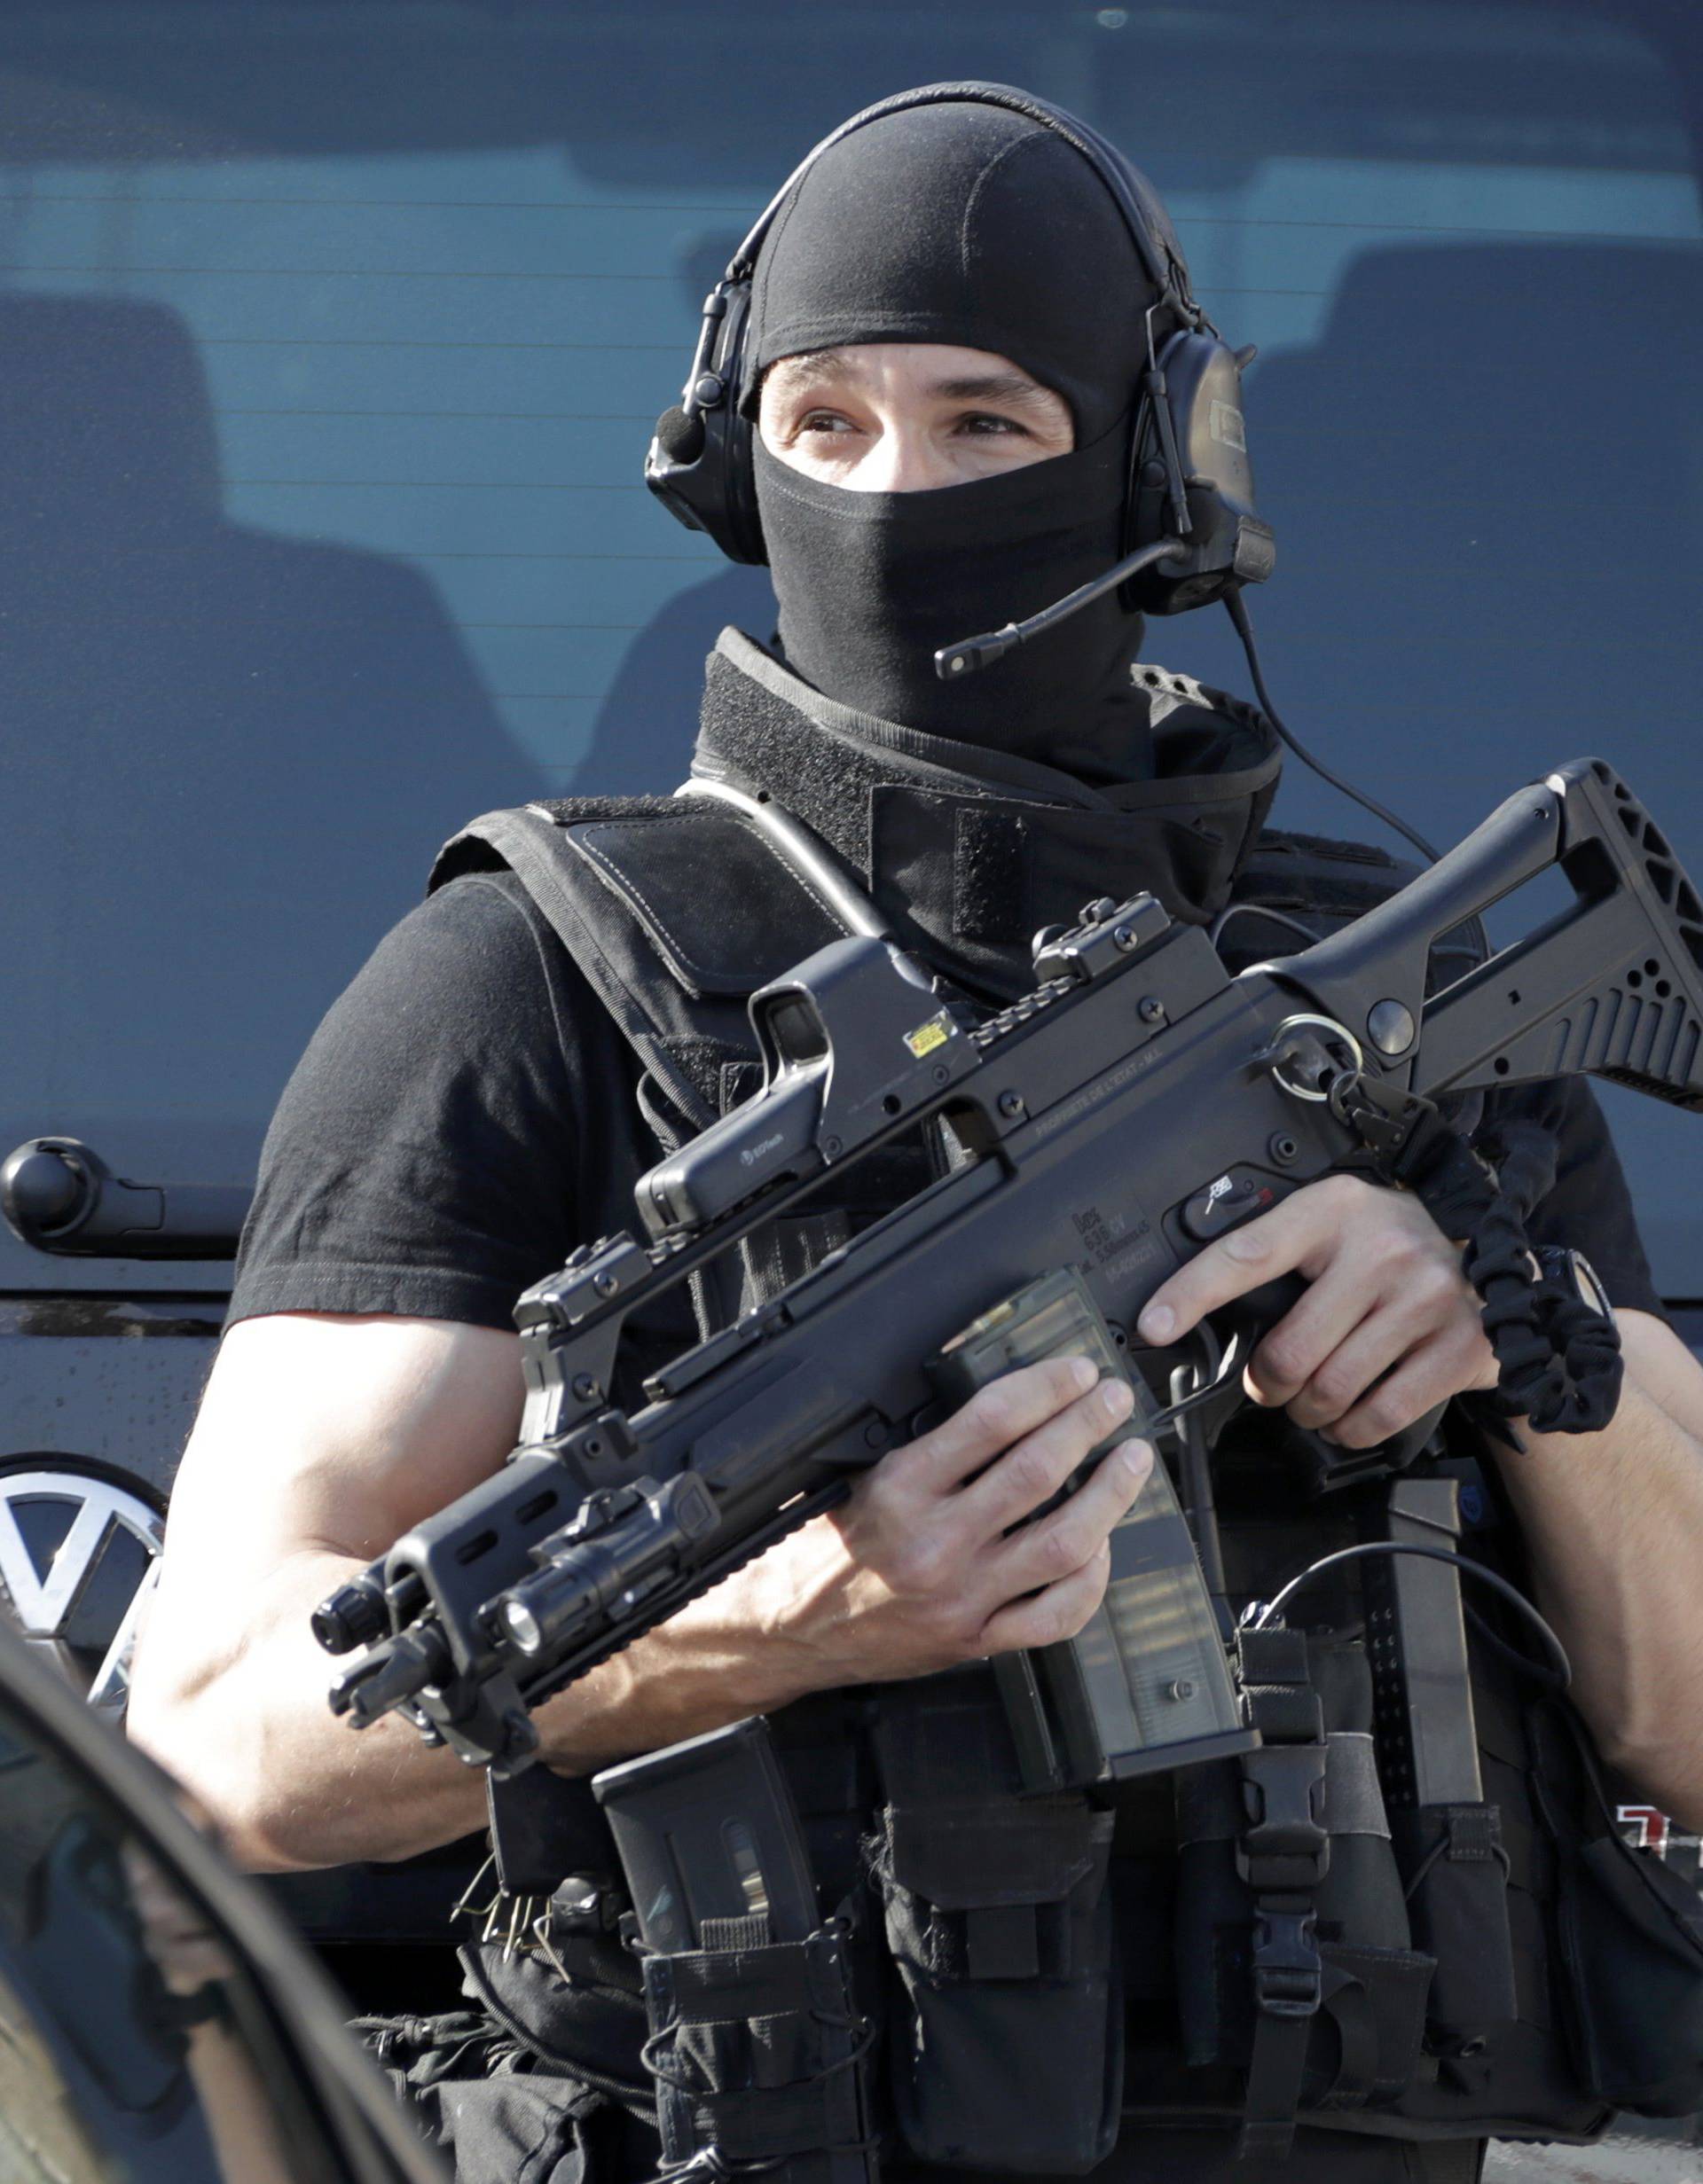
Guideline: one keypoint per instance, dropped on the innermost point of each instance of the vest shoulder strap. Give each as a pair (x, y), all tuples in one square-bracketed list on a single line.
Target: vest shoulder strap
[(675, 909)]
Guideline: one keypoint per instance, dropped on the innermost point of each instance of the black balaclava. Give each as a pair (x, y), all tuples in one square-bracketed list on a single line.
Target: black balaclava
[(971, 224)]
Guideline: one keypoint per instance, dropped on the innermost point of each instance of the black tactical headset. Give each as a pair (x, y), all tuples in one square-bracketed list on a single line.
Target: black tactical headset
[(1190, 479)]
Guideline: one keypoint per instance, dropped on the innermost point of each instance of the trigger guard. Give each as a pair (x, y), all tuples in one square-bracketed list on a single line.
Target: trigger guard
[(1253, 1315)]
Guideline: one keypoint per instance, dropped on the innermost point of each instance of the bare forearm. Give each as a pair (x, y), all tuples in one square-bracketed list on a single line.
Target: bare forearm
[(292, 1787), (1616, 1521), (716, 1661), (289, 1785)]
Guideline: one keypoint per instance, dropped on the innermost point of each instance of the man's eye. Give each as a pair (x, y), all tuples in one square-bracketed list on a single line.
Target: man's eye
[(986, 425), (823, 421)]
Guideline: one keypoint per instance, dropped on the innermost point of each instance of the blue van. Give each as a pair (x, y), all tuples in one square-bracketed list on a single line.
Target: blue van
[(331, 338)]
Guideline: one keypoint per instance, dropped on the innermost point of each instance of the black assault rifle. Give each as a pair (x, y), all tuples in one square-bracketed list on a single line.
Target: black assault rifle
[(1137, 1103)]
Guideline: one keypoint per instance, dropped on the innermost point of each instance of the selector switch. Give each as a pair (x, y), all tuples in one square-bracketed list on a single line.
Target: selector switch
[(1225, 1203)]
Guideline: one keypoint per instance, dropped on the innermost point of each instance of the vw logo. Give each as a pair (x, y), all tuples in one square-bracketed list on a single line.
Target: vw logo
[(78, 1560)]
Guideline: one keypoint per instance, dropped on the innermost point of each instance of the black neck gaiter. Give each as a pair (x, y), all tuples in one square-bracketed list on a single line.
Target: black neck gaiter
[(869, 585), (967, 849)]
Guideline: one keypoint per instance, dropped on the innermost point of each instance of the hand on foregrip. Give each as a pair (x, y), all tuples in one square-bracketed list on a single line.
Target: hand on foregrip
[(931, 1562)]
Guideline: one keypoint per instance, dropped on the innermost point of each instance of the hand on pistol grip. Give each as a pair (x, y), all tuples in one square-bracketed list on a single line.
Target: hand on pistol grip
[(1247, 1319)]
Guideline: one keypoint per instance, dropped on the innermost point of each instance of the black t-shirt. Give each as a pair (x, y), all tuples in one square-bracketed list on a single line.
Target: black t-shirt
[(467, 1113), (446, 1138)]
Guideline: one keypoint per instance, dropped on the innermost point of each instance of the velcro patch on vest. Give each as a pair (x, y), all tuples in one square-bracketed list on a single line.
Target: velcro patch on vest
[(715, 901), (989, 875)]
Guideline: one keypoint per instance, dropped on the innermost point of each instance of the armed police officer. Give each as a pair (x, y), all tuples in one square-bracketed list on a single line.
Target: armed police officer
[(926, 428)]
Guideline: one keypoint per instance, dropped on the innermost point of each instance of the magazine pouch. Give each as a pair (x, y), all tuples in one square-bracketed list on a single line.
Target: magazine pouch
[(1005, 2041), (1456, 1869), (1371, 1986), (502, 2110), (1294, 1955), (756, 2049)]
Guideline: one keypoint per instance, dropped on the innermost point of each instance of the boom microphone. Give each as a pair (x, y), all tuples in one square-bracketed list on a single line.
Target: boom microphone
[(974, 652)]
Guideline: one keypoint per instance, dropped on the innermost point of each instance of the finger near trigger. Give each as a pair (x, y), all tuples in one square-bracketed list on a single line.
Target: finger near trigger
[(1274, 1244), (1310, 1334), (1422, 1379)]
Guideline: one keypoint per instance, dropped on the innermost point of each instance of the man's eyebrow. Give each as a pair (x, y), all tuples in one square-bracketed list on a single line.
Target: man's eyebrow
[(810, 367), (1015, 387), (806, 369)]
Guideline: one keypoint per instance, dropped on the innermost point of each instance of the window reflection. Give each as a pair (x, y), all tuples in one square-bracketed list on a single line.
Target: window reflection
[(41, 2137), (334, 338), (133, 2045)]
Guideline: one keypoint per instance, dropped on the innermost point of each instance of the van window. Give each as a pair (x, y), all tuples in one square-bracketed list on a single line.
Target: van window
[(332, 340)]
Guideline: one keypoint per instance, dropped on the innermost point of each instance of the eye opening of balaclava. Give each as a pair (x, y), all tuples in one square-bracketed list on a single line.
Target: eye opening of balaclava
[(976, 225)]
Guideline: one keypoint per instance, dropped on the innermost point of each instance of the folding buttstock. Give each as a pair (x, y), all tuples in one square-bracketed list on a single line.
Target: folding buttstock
[(1612, 986)]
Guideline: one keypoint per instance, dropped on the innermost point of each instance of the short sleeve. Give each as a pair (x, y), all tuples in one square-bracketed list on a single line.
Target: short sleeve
[(1590, 1208), (423, 1158)]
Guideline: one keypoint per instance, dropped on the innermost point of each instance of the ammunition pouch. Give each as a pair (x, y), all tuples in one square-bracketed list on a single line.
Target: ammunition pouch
[(756, 2048), (1004, 2039), (485, 2095), (1455, 1872)]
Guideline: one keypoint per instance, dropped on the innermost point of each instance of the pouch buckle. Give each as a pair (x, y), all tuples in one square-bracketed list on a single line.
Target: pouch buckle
[(1288, 1970), (1285, 1844)]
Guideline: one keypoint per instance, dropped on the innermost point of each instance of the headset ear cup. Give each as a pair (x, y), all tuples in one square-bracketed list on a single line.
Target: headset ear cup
[(1147, 508), (741, 490), (1228, 542), (727, 454), (700, 465), (730, 427), (700, 468)]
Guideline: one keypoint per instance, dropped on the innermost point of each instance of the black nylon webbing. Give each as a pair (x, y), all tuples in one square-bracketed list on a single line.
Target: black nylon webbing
[(1282, 1855), (717, 1983)]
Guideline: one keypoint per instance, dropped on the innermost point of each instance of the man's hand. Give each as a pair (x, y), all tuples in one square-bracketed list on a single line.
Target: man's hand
[(1388, 1329), (921, 1569)]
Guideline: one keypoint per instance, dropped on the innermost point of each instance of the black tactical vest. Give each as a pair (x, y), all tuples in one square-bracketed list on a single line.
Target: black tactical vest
[(1508, 1968)]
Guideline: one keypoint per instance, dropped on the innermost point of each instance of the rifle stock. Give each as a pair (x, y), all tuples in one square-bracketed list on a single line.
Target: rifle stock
[(1611, 987)]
